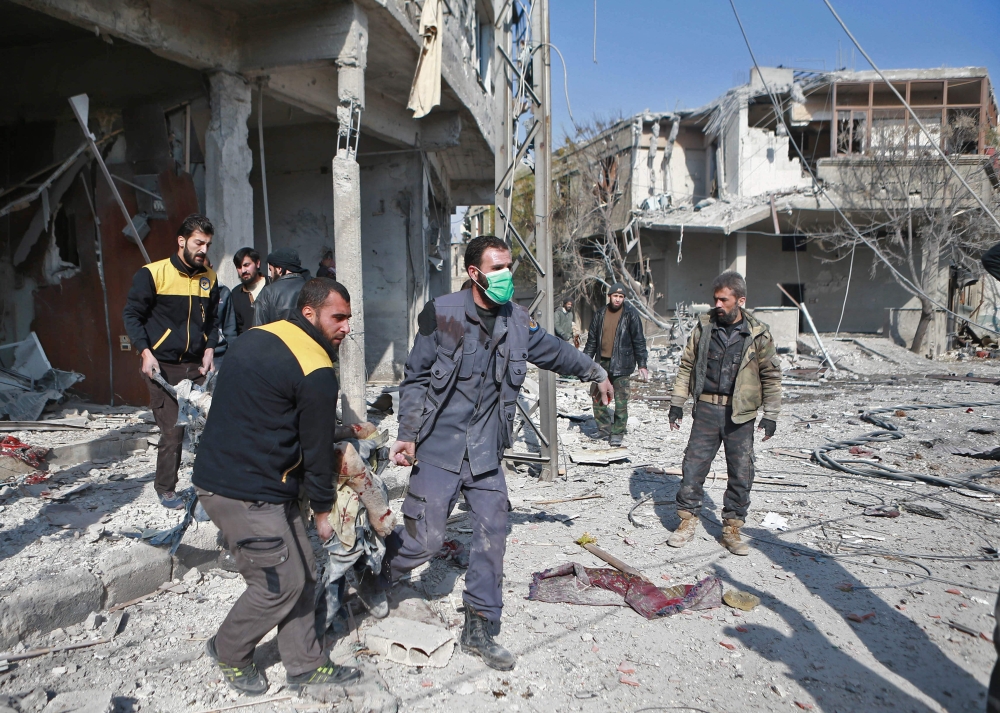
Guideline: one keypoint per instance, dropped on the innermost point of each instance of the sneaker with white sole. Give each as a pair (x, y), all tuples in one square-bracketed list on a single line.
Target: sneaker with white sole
[(171, 500)]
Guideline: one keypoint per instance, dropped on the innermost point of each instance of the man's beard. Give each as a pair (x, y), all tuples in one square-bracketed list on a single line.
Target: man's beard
[(724, 317), (247, 279), (615, 308), (189, 258)]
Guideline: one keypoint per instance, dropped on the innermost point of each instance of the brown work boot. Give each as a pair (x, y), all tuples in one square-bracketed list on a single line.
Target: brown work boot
[(731, 538), (685, 531)]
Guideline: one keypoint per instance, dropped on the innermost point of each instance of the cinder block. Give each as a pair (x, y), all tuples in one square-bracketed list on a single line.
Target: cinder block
[(49, 604), (133, 571)]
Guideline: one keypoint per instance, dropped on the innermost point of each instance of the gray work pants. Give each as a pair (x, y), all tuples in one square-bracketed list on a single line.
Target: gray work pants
[(273, 553), (713, 426), (432, 494)]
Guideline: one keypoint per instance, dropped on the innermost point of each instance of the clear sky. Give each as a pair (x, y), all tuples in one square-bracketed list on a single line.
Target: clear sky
[(667, 54)]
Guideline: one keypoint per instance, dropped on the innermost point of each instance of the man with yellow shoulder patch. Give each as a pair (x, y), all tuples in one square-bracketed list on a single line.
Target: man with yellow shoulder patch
[(170, 317), (271, 428)]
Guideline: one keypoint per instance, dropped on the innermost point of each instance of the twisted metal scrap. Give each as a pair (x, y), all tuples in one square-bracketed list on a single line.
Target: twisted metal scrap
[(891, 432)]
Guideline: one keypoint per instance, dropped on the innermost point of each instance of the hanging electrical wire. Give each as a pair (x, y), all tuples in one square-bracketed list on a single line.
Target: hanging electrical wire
[(847, 290), (821, 190)]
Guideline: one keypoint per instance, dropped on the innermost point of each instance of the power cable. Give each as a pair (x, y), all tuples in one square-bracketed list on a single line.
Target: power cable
[(847, 291), (819, 188), (891, 432)]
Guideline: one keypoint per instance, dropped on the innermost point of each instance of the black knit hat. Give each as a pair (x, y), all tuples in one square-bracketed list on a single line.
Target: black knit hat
[(286, 258), (617, 288)]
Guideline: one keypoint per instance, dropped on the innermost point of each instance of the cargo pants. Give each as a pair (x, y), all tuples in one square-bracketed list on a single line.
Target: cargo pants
[(164, 408), (274, 555), (432, 495), (615, 423), (713, 426)]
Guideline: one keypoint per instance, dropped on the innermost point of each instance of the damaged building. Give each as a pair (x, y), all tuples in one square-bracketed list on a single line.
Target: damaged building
[(723, 187), (187, 104)]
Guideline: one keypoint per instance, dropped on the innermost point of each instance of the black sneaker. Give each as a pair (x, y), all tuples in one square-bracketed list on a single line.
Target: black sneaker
[(477, 639), (316, 683), (248, 680)]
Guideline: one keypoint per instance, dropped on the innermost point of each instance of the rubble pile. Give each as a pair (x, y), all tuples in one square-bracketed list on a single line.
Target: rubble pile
[(859, 592)]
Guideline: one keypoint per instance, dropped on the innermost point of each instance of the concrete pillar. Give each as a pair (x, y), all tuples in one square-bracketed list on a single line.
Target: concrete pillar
[(347, 246), (228, 195), (740, 265), (351, 64)]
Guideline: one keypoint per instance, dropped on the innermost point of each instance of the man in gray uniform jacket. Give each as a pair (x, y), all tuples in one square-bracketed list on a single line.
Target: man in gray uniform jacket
[(456, 413)]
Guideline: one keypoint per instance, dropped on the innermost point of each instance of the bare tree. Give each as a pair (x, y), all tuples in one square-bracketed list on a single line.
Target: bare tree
[(906, 201), (595, 240)]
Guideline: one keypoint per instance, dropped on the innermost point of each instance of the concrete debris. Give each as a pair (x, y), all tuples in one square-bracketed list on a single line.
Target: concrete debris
[(800, 579), (599, 456), (412, 643), (774, 522), (82, 701)]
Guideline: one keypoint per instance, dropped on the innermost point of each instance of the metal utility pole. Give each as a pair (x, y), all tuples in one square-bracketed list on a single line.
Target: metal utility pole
[(520, 46), (543, 238)]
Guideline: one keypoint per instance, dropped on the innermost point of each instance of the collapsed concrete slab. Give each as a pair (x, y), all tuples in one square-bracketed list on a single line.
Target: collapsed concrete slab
[(132, 571), (49, 604)]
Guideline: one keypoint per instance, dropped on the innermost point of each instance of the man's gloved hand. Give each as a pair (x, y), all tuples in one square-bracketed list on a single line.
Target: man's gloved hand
[(675, 416), (768, 426)]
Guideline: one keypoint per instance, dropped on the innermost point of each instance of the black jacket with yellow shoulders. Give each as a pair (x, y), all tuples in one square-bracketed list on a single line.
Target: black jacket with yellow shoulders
[(171, 310)]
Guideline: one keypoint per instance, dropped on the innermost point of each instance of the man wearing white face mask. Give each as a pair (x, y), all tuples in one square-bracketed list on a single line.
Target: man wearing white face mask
[(456, 413)]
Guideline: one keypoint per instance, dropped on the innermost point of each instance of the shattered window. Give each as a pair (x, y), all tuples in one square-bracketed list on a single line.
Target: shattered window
[(888, 130), (852, 127)]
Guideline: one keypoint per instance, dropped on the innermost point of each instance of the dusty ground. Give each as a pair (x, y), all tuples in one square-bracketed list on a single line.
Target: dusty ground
[(796, 650)]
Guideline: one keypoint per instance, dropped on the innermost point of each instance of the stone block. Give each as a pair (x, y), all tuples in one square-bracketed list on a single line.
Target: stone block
[(199, 549), (82, 701), (49, 604), (107, 449), (131, 572)]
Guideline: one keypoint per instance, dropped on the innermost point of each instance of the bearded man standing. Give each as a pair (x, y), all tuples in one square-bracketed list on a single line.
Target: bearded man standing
[(616, 342), (170, 317), (730, 368)]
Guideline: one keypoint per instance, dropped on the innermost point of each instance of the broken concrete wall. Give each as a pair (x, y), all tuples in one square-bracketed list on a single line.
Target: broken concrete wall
[(395, 228), (678, 170), (825, 283)]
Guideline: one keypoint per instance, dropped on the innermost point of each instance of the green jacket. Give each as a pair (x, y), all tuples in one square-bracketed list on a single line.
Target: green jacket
[(563, 324), (758, 381)]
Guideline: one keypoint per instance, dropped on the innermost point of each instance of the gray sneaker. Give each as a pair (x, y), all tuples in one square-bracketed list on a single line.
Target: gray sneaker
[(373, 597), (171, 500)]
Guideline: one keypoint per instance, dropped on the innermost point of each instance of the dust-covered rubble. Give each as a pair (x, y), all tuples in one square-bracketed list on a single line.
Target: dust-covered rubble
[(857, 612)]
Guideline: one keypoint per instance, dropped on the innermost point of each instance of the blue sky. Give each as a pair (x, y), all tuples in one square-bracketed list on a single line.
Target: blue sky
[(667, 54)]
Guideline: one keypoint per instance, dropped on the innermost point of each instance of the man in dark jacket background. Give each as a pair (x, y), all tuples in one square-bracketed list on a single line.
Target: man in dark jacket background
[(252, 282), (617, 343), (170, 317), (271, 428), (277, 300)]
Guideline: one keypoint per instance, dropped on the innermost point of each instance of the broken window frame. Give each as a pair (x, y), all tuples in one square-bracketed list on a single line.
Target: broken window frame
[(852, 144)]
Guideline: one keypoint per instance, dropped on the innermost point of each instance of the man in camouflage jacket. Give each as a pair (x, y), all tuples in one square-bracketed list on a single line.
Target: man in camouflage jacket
[(731, 369)]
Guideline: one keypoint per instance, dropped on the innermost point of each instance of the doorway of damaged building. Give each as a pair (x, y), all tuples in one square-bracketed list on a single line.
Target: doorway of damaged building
[(58, 217)]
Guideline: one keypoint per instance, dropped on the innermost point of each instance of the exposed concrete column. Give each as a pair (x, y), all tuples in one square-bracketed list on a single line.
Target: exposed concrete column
[(740, 265), (228, 194), (347, 214)]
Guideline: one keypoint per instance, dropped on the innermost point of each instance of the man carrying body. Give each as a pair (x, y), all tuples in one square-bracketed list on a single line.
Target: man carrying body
[(616, 341), (271, 428), (277, 300), (456, 413), (563, 324), (730, 368), (247, 262), (170, 317)]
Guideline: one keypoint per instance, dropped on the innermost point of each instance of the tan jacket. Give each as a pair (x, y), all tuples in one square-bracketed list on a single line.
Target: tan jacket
[(758, 381)]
